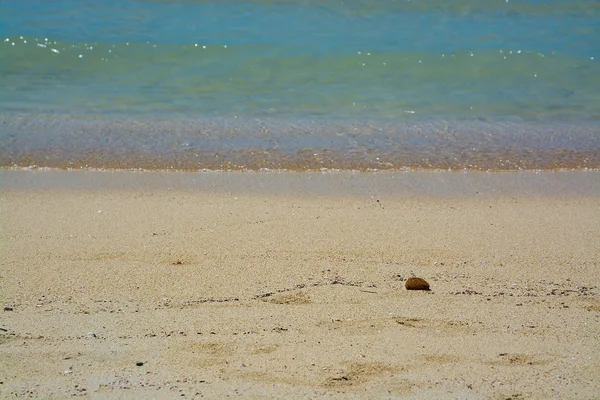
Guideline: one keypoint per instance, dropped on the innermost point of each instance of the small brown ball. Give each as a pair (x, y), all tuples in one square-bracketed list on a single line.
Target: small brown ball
[(416, 284)]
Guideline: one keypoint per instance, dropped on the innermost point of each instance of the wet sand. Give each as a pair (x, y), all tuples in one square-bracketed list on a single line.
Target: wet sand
[(290, 285)]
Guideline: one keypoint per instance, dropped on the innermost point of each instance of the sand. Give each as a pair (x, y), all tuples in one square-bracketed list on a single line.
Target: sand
[(166, 285)]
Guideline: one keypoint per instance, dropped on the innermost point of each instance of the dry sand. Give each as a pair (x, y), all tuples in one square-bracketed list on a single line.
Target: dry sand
[(292, 285)]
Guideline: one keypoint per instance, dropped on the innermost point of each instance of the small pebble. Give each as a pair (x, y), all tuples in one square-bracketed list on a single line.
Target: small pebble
[(139, 363), (416, 284)]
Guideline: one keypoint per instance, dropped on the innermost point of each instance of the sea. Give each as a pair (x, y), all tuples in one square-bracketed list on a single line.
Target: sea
[(300, 85)]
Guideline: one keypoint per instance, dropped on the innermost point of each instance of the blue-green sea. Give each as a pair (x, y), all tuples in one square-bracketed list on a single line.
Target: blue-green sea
[(300, 84)]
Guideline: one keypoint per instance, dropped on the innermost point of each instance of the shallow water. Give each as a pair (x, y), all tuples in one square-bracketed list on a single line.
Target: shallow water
[(300, 84)]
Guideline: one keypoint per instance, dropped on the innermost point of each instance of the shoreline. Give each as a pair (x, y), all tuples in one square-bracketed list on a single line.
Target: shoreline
[(291, 285), (295, 144)]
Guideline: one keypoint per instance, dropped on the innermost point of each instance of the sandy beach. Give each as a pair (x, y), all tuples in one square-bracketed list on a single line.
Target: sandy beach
[(250, 285)]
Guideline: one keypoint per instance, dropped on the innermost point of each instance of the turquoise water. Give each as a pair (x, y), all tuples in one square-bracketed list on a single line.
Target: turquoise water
[(301, 84)]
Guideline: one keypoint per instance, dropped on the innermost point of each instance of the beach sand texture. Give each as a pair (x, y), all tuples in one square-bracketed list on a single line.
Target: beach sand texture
[(175, 292)]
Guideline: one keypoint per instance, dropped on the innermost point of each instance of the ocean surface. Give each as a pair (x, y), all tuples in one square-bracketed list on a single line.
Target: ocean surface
[(300, 84)]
